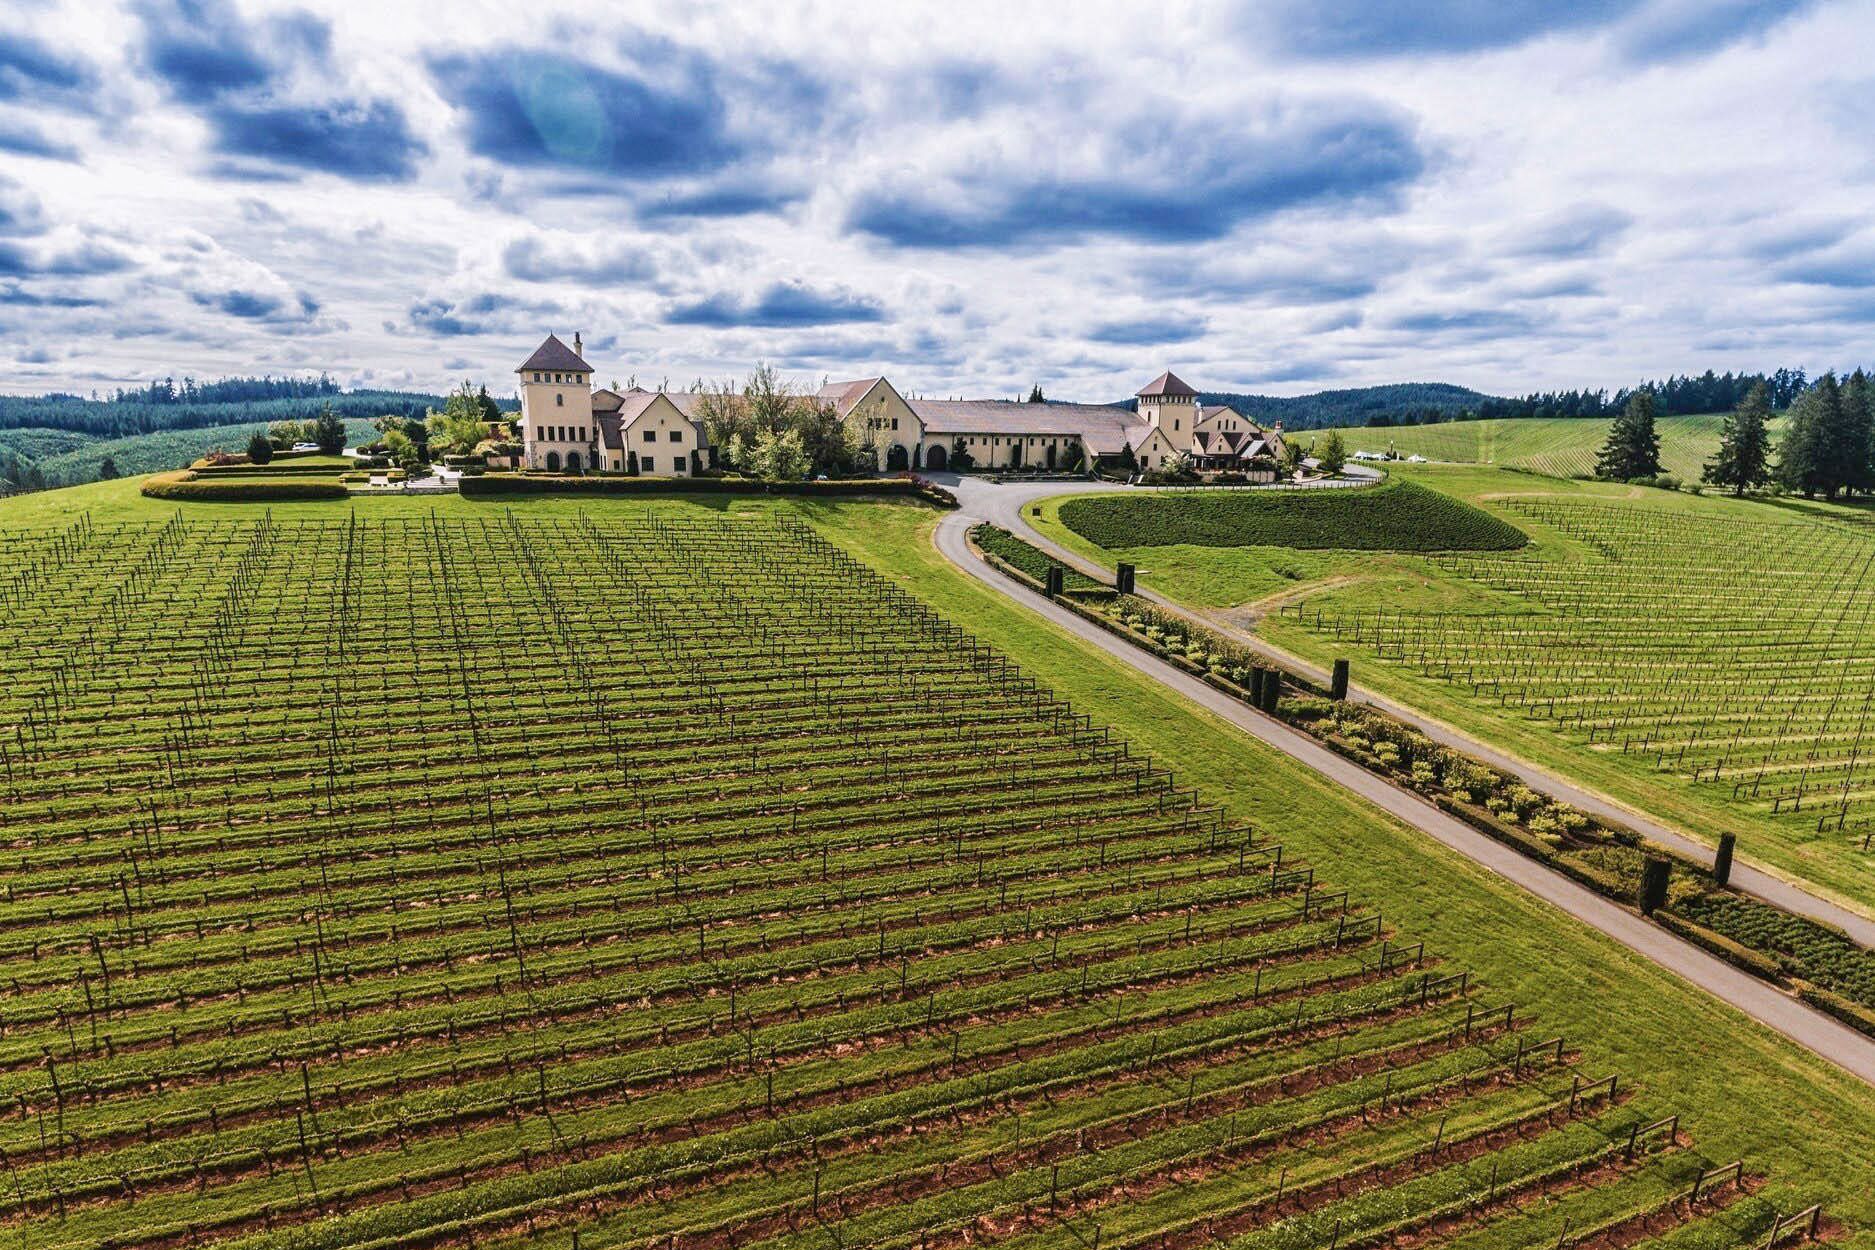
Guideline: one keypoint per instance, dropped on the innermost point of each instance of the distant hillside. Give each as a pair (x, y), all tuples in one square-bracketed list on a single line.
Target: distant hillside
[(63, 440), (1354, 406), (1558, 446)]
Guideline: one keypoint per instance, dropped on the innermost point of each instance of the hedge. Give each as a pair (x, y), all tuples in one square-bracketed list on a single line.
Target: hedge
[(539, 484), (271, 470), (186, 487)]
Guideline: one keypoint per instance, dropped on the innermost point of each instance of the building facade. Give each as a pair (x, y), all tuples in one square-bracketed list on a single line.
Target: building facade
[(568, 427)]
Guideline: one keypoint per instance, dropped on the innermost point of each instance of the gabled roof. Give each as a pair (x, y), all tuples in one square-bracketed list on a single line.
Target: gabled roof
[(843, 395), (604, 400), (555, 356), (1008, 416), (1166, 384)]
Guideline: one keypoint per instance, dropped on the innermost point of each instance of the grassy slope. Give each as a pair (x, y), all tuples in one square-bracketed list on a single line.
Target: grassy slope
[(1226, 579), (68, 456), (1743, 1090), (1548, 445)]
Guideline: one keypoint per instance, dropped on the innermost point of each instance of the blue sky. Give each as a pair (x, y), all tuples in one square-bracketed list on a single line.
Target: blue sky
[(969, 196)]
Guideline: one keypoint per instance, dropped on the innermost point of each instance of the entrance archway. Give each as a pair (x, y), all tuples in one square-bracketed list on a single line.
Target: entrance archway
[(572, 462), (934, 459), (553, 462)]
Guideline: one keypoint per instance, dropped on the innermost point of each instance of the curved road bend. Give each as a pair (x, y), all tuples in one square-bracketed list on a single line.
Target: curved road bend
[(1005, 504), (1805, 1025)]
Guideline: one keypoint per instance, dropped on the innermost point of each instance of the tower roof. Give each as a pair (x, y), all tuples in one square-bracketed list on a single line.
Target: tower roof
[(1166, 383), (557, 356)]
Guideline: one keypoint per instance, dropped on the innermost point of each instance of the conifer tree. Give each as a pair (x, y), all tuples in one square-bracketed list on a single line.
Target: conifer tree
[(1812, 459), (1633, 446), (1743, 462), (1858, 415)]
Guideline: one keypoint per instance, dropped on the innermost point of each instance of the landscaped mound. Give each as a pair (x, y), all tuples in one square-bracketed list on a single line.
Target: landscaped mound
[(1398, 517)]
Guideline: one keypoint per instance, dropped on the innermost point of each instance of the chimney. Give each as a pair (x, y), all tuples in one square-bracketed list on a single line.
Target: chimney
[(577, 349)]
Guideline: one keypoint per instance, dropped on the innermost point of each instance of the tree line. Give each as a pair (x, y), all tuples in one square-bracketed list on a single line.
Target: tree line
[(1828, 447)]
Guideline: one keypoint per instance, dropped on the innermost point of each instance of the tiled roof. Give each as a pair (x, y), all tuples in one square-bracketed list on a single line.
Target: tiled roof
[(611, 431), (1166, 383), (555, 356)]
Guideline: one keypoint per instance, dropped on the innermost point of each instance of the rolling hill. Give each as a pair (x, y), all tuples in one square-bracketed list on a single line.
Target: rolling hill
[(1559, 446)]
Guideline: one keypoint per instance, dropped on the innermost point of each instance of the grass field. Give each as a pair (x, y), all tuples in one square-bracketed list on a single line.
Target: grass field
[(1560, 447), (663, 872)]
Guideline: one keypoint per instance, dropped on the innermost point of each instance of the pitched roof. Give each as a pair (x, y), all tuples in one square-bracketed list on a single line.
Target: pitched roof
[(604, 400), (610, 431), (1006, 416), (1166, 383), (556, 356), (843, 395)]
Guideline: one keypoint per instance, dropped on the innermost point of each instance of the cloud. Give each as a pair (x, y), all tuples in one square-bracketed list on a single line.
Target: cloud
[(366, 142), (541, 258), (542, 109), (242, 78), (1380, 28), (38, 75), (21, 212), (1672, 29), (1148, 331), (1582, 230), (780, 305), (1158, 179), (86, 259), (735, 200), (1466, 324), (25, 139)]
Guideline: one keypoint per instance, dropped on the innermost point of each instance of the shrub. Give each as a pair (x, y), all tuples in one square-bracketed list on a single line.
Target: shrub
[(259, 450), (1403, 516), (186, 487)]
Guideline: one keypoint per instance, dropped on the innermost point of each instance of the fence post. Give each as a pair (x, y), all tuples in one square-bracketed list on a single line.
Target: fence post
[(1653, 885), (1123, 578), (1272, 690), (1055, 580), (1722, 862), (1338, 688)]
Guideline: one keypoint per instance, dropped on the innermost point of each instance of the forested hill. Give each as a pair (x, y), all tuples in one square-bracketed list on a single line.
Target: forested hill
[(1414, 401), (1424, 401), (138, 414)]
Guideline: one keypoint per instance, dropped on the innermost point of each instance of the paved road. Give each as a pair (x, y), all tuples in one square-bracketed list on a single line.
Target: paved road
[(1006, 505), (1812, 1029)]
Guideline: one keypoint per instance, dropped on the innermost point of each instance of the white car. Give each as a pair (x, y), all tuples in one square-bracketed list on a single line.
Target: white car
[(1416, 458)]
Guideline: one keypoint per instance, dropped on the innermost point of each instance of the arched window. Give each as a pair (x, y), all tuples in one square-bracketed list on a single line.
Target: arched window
[(559, 400)]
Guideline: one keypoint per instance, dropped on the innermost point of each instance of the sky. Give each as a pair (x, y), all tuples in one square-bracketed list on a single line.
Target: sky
[(971, 197)]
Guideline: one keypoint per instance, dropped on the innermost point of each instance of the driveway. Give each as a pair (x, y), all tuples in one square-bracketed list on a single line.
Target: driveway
[(1764, 1003)]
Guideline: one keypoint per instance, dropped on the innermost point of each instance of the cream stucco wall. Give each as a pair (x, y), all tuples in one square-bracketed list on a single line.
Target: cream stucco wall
[(556, 417), (882, 420), (663, 439)]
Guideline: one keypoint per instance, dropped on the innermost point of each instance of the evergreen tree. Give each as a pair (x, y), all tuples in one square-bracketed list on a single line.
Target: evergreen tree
[(329, 431), (107, 469), (1035, 394), (1812, 458), (1858, 415), (259, 450), (1633, 446), (1331, 453), (1743, 462)]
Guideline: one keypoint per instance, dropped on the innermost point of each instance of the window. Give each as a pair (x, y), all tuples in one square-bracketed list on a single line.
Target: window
[(559, 400), (647, 464), (651, 436), (895, 423), (677, 436), (1175, 425)]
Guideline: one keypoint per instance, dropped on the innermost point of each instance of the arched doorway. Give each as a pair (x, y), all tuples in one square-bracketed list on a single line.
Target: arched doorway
[(1051, 455), (934, 459), (572, 462), (895, 459), (553, 462)]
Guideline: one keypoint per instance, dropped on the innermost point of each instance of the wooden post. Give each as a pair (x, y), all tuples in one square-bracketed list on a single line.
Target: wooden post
[(1722, 862), (1124, 578), (1055, 580), (1654, 874), (1338, 687)]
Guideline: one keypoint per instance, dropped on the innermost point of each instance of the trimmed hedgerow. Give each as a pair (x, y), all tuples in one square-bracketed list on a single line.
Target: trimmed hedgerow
[(1030, 559), (185, 487), (540, 484), (1403, 516)]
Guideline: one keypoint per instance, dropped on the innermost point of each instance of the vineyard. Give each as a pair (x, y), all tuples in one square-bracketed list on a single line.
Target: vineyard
[(1738, 654), (1399, 516), (1558, 446), (677, 883)]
